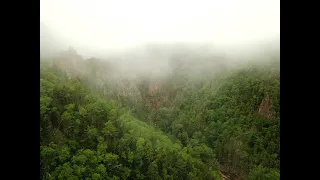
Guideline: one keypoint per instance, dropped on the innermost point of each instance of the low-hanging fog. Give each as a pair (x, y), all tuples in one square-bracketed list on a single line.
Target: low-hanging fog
[(146, 89), (142, 36)]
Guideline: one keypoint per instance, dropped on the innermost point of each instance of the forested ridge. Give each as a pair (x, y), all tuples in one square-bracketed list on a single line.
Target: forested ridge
[(204, 119)]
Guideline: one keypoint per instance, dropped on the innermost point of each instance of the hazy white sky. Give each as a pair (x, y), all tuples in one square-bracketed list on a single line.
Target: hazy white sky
[(122, 23)]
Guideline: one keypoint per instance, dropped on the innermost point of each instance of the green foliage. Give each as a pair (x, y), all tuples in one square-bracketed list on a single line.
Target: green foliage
[(204, 126), (84, 136)]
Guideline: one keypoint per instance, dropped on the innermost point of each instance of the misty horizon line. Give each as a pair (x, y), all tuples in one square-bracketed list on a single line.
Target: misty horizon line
[(81, 47)]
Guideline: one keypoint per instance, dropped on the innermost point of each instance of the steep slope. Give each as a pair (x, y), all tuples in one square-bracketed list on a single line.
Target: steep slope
[(224, 114), (212, 116), (84, 136)]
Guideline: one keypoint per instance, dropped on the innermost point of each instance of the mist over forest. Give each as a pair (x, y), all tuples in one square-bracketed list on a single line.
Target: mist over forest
[(197, 102), (154, 58)]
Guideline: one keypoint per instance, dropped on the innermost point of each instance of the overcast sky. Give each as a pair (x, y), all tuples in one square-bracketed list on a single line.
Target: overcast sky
[(124, 23)]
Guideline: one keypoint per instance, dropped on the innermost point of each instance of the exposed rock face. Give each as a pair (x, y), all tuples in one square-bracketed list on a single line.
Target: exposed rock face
[(265, 107)]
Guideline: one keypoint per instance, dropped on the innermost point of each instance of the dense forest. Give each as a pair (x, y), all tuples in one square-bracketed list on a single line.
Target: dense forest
[(202, 118)]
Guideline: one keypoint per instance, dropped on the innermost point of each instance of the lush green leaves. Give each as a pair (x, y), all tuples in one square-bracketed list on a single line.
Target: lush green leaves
[(204, 125)]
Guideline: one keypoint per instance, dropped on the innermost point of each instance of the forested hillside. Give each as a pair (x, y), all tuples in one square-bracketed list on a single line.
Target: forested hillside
[(199, 117)]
